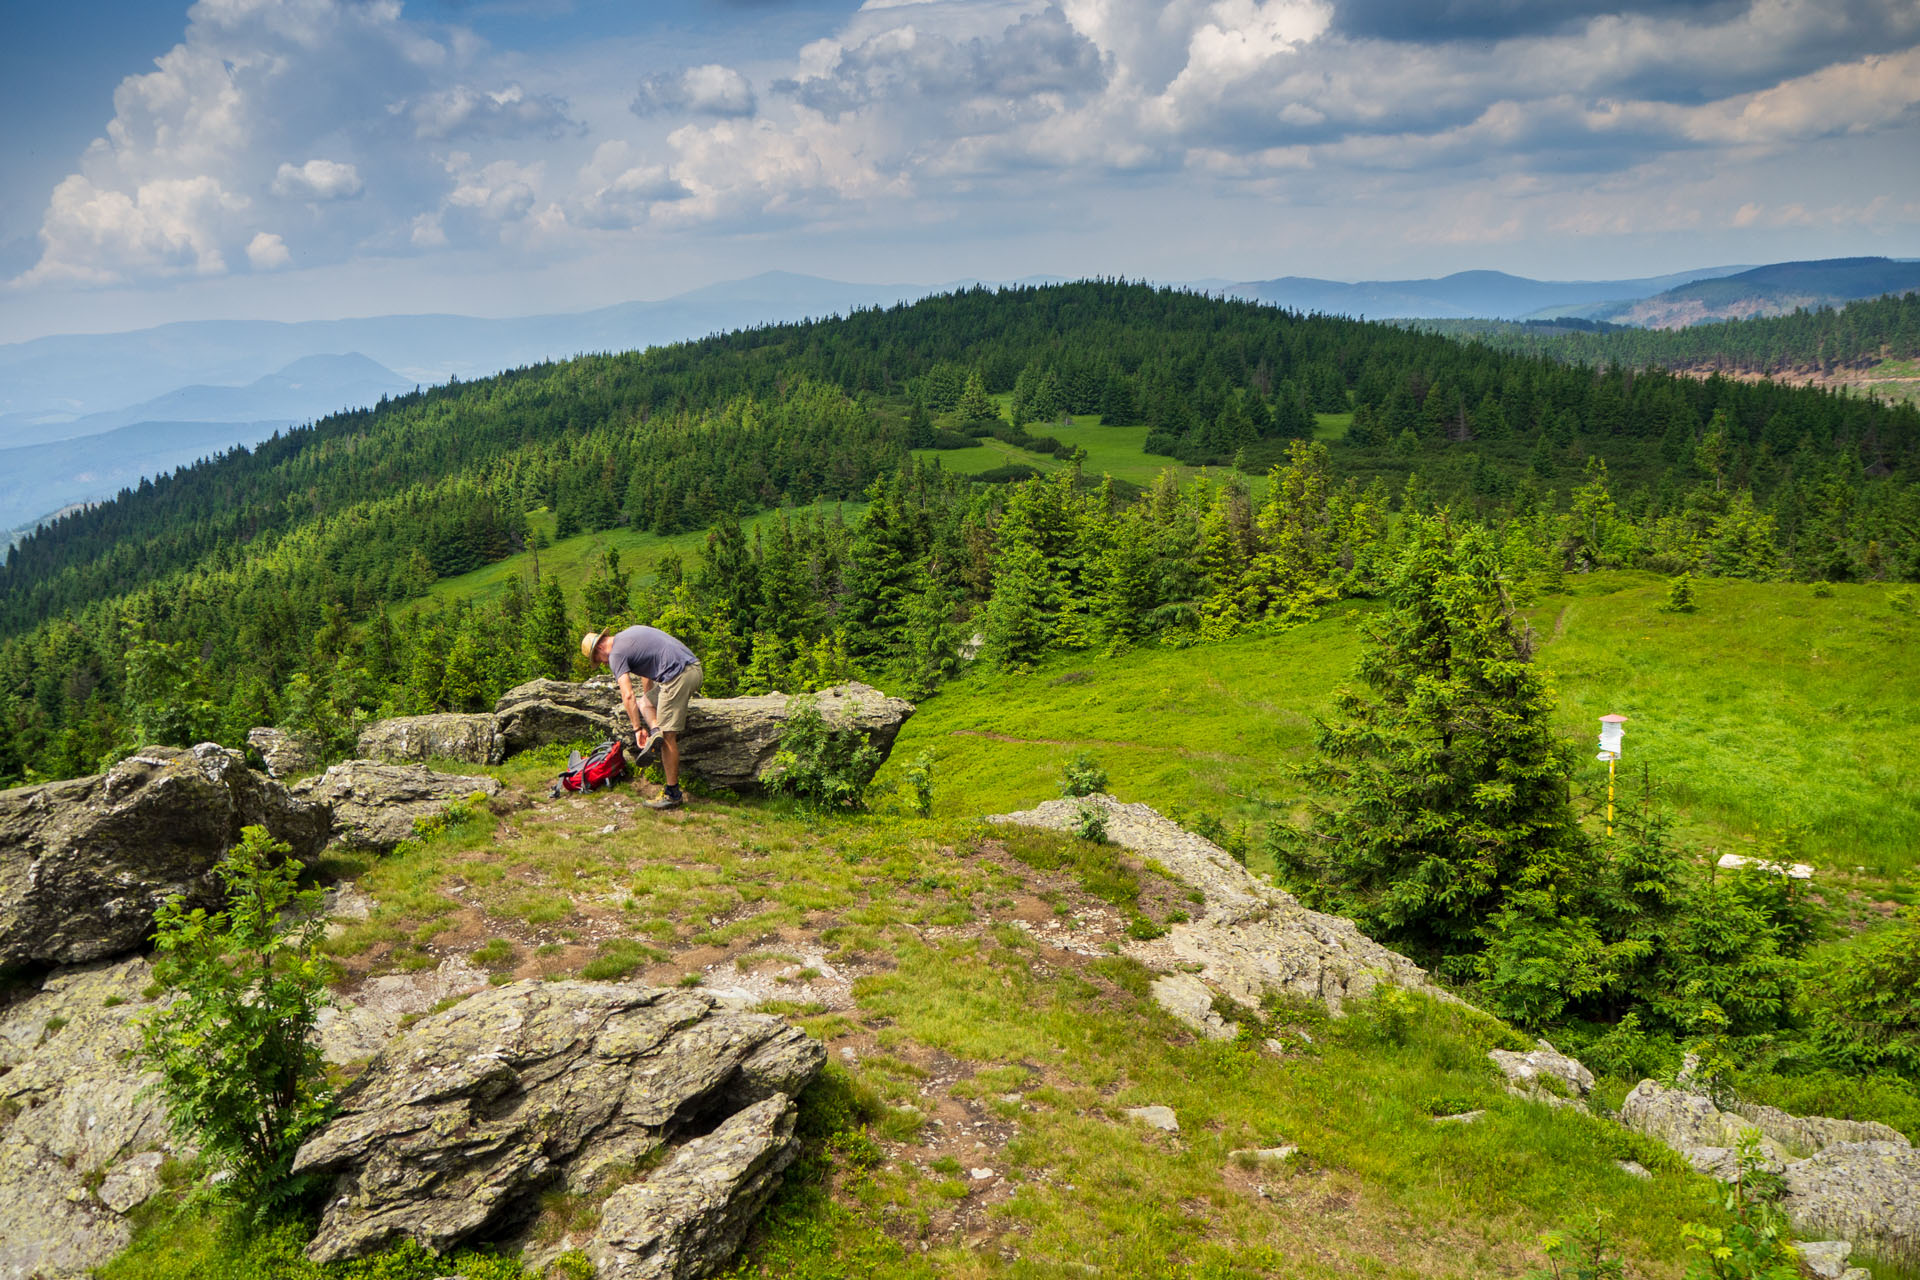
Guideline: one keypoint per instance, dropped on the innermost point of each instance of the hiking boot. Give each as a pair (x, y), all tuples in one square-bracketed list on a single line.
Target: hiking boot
[(668, 800)]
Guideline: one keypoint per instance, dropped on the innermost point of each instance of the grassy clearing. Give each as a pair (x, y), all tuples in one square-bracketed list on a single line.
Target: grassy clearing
[(574, 559), (1768, 709)]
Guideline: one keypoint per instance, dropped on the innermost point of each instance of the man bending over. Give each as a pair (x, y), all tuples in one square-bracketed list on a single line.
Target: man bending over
[(669, 677)]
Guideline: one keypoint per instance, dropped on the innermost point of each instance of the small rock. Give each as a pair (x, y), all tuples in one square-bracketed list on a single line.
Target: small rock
[(1791, 870), (1635, 1168), (1824, 1259), (980, 1175), (846, 1051), (131, 1182), (1465, 1117), (1161, 1118), (1527, 1072), (1264, 1155)]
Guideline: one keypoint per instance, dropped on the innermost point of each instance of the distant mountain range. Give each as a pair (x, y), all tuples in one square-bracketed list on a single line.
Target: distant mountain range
[(147, 401), (1767, 291), (1486, 295)]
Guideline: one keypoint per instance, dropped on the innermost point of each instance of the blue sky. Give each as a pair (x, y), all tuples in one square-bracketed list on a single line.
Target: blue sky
[(289, 159)]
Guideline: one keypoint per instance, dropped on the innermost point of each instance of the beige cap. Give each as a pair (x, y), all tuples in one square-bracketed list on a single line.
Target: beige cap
[(589, 642)]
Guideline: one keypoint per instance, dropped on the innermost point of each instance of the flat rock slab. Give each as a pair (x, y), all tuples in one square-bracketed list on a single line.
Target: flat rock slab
[(470, 739), (85, 863), (728, 742), (1251, 938), (1161, 1118), (455, 1129), (85, 1146), (375, 806), (1867, 1192)]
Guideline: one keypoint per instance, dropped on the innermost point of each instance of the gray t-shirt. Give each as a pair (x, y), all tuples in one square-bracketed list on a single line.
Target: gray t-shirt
[(649, 652)]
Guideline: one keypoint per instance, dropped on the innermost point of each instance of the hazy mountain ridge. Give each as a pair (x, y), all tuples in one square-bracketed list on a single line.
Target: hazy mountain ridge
[(1462, 295), (1774, 290)]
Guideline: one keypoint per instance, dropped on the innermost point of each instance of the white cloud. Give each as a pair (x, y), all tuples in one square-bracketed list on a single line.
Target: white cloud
[(267, 251), (464, 111), (194, 167), (710, 90), (317, 180), (620, 191), (170, 226)]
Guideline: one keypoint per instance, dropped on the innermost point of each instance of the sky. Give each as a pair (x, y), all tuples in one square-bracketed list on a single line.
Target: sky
[(294, 159)]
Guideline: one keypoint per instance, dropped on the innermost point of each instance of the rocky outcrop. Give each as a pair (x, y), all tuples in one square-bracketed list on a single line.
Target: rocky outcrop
[(729, 742), (540, 713), (1804, 1135), (1868, 1192), (1544, 1074), (285, 754), (1250, 938), (469, 739), (375, 806), (85, 863), (83, 1146), (687, 1219), (463, 1120), (1706, 1137)]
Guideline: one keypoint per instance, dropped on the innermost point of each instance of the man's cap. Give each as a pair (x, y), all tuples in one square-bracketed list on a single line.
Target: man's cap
[(589, 642)]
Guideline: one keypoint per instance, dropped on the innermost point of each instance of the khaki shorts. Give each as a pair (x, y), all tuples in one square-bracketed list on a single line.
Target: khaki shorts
[(669, 700)]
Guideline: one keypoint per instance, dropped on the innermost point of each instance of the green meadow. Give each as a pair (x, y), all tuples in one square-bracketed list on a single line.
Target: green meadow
[(1769, 714)]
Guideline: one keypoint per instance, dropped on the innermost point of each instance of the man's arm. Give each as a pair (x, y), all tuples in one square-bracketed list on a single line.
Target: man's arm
[(634, 705)]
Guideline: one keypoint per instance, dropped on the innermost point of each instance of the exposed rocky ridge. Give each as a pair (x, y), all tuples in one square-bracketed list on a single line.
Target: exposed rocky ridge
[(457, 1124), (729, 742), (1868, 1192), (85, 863), (83, 1146), (471, 739), (1250, 939), (375, 806)]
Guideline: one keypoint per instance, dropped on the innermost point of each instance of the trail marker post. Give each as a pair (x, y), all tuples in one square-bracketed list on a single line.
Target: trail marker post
[(1612, 730)]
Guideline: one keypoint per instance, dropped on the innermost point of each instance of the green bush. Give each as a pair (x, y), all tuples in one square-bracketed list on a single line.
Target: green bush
[(920, 782), (1864, 1005), (234, 1053), (1680, 595), (1082, 776), (821, 766), (1090, 824)]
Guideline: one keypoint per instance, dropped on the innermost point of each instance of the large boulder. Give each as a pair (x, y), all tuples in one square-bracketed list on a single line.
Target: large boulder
[(456, 1128), (1251, 939), (686, 1220), (81, 1142), (375, 806), (286, 754), (542, 712), (1705, 1136), (1544, 1074), (729, 742), (470, 739), (85, 863), (1868, 1192)]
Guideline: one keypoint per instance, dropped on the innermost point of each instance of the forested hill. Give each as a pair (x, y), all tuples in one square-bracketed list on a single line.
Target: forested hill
[(255, 588), (1823, 340)]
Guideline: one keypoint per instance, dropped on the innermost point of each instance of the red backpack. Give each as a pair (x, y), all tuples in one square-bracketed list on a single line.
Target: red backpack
[(606, 766)]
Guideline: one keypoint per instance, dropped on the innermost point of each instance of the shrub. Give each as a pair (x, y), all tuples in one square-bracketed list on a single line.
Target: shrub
[(1583, 1251), (920, 782), (1865, 1005), (1090, 824), (1680, 595), (1752, 1246), (1082, 776), (234, 1052), (822, 766)]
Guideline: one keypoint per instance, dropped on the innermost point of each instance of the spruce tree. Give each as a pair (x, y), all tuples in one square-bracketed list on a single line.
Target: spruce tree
[(1019, 617), (548, 640), (974, 405), (1443, 787)]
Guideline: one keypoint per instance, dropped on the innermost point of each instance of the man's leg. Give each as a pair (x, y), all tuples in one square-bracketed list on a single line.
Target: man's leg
[(670, 757)]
